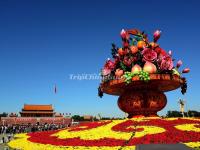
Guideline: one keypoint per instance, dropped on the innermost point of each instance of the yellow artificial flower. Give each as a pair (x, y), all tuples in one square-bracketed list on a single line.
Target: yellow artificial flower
[(188, 127)]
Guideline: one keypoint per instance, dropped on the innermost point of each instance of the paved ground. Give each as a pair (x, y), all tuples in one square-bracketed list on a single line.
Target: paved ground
[(163, 147), (3, 146), (139, 147)]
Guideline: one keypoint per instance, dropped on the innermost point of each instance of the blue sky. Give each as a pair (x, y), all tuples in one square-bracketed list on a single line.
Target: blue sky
[(43, 42)]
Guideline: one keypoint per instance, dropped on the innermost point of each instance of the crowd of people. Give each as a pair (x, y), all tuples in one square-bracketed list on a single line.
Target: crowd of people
[(7, 131)]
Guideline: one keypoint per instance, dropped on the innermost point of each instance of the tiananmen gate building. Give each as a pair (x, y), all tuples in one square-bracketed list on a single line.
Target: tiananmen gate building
[(37, 111)]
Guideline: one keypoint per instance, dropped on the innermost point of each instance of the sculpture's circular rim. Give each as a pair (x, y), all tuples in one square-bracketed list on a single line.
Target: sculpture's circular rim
[(160, 82)]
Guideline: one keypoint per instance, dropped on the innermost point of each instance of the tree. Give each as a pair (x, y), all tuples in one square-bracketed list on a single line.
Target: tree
[(105, 118), (4, 114), (190, 113), (174, 114), (193, 113), (77, 118)]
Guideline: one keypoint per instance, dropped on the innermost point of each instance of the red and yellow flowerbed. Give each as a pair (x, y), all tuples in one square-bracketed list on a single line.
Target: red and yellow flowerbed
[(116, 134)]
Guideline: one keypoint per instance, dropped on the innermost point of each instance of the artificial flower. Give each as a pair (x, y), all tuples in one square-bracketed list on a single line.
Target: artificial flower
[(166, 63), (186, 70), (124, 34), (109, 65), (156, 35), (149, 54), (179, 63), (106, 71), (161, 52), (170, 52)]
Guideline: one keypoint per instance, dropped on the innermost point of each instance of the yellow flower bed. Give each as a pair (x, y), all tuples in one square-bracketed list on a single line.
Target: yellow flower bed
[(193, 144), (188, 127)]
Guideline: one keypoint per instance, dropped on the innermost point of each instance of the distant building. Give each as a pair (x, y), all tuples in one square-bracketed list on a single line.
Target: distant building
[(37, 111), (58, 115), (87, 117), (12, 115)]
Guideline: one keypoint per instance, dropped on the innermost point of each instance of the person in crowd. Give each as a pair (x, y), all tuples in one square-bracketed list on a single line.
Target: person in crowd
[(3, 139), (8, 131)]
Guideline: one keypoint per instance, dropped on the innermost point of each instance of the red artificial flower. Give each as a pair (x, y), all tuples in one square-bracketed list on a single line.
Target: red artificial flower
[(125, 44), (149, 54), (160, 51), (89, 125), (179, 63), (110, 65), (156, 35), (128, 61), (186, 70), (166, 63), (106, 71), (124, 34)]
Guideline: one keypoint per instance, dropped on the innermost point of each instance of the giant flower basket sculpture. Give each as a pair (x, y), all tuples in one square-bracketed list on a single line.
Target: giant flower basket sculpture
[(140, 74)]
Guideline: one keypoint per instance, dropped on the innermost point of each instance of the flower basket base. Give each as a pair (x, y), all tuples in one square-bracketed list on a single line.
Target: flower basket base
[(142, 103), (140, 98)]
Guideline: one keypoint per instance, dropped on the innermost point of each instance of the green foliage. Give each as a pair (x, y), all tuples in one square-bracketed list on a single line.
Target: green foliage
[(113, 50), (77, 118), (123, 66), (4, 114), (175, 71), (105, 118), (133, 41), (139, 58), (190, 113), (174, 114), (193, 113)]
